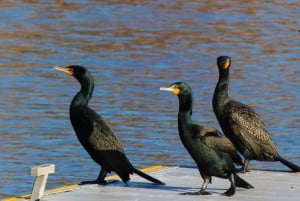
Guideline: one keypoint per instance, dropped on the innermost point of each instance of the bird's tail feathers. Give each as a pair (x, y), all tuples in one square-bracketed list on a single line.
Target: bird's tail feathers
[(147, 177), (291, 165), (239, 182)]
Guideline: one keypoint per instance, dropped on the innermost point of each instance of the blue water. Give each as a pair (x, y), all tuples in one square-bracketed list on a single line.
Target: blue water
[(132, 48)]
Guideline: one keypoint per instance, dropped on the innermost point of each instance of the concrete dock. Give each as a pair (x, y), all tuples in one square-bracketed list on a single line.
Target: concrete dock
[(269, 186)]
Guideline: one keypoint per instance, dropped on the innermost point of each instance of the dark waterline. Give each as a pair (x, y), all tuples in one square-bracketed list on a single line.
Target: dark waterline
[(132, 48)]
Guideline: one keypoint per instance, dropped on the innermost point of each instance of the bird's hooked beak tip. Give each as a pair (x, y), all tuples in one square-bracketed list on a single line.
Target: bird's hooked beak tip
[(165, 89), (60, 68)]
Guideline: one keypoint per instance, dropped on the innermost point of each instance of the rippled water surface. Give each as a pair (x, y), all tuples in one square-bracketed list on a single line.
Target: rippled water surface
[(132, 48)]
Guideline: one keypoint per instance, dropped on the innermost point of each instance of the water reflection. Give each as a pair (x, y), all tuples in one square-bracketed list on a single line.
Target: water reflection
[(132, 48)]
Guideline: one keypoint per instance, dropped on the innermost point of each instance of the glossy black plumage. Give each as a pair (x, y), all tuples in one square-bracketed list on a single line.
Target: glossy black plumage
[(213, 153), (241, 124), (94, 134)]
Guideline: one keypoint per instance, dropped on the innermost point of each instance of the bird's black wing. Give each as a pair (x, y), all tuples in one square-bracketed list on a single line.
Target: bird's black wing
[(106, 149), (109, 148), (103, 137), (248, 127), (212, 138), (215, 140)]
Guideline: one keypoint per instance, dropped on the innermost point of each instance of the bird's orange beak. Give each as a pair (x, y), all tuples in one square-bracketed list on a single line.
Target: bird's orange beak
[(65, 69)]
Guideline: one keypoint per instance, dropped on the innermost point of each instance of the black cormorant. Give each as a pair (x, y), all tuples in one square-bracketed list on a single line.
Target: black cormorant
[(94, 133), (241, 124), (213, 153)]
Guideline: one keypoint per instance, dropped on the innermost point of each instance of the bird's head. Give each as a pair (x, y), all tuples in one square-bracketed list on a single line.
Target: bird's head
[(79, 72), (178, 88), (223, 62)]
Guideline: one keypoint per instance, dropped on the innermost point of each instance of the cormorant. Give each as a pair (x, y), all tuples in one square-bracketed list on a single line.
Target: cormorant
[(241, 124), (213, 153), (94, 133)]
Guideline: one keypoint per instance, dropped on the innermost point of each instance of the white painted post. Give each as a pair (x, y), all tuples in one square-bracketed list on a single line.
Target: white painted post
[(40, 173)]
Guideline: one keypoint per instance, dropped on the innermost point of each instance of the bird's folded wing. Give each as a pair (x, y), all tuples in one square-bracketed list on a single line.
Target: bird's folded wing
[(250, 130), (103, 138)]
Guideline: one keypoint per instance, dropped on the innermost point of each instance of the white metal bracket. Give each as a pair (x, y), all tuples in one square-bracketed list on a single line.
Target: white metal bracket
[(40, 173)]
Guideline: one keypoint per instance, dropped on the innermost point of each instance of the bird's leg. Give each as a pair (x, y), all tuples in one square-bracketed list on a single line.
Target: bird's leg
[(246, 164), (206, 181), (100, 179), (231, 190)]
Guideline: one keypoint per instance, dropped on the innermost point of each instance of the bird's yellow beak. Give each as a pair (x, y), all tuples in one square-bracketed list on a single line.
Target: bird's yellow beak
[(172, 88), (64, 69)]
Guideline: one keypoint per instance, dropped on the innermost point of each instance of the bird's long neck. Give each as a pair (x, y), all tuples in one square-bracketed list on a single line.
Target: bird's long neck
[(185, 112), (221, 91), (84, 95)]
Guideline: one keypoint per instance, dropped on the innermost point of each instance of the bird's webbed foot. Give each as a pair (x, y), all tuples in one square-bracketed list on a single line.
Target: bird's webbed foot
[(196, 193), (99, 182), (100, 179), (239, 170), (102, 182), (207, 180), (243, 170), (229, 192)]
